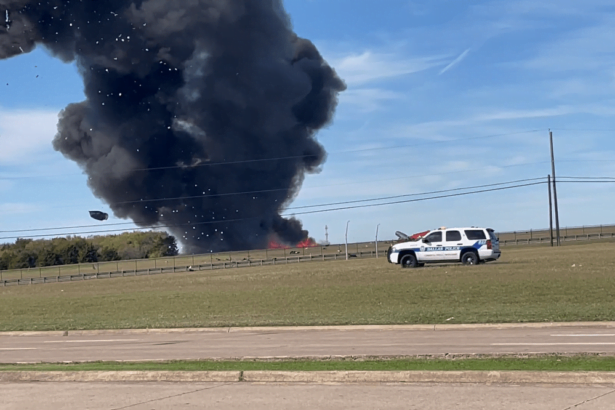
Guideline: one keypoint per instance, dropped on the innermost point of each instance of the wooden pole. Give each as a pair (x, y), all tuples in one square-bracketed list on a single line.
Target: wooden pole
[(554, 189), (550, 209)]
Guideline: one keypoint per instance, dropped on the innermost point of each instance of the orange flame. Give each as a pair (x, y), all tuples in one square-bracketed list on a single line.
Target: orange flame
[(307, 243)]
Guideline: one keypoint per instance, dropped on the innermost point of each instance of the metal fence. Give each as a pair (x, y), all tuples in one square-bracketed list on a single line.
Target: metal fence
[(227, 260), (187, 263), (568, 232)]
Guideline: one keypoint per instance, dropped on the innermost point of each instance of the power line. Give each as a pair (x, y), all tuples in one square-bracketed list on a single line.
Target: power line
[(285, 189), (586, 178), (424, 193), (303, 207), (577, 180), (286, 215), (208, 164), (587, 182)]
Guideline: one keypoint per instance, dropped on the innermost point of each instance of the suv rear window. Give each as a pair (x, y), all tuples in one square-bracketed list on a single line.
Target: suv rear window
[(475, 234), (492, 235)]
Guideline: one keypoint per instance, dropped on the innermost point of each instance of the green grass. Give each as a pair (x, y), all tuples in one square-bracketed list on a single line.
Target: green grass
[(529, 284), (547, 363)]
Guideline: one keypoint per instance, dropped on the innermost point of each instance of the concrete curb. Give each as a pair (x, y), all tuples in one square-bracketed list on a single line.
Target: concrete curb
[(128, 376), (338, 377), (444, 327), (480, 377)]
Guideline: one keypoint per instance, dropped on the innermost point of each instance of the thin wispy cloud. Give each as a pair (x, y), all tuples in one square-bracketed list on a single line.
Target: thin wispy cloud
[(25, 133), (18, 208), (368, 99), (369, 67), (456, 61)]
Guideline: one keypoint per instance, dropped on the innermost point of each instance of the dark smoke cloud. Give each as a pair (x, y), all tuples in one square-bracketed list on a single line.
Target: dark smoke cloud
[(179, 86)]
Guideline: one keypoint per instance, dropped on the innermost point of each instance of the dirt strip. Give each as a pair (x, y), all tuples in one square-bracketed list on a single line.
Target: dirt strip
[(476, 377)]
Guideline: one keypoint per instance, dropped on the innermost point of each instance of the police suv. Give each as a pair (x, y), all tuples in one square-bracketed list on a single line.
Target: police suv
[(469, 246)]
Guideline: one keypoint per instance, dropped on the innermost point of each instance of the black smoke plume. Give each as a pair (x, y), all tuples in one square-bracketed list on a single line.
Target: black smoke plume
[(187, 99)]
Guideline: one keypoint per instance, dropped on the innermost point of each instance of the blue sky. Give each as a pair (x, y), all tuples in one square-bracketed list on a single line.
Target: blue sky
[(424, 80)]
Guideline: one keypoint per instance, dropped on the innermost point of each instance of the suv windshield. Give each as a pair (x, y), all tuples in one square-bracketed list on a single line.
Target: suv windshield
[(434, 237)]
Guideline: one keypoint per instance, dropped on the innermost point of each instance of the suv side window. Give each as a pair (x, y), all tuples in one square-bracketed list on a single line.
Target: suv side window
[(453, 236), (475, 234), (434, 237)]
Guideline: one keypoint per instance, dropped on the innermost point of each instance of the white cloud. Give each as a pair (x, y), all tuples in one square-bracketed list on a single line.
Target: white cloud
[(456, 61), (368, 99), (18, 208), (368, 67), (25, 133)]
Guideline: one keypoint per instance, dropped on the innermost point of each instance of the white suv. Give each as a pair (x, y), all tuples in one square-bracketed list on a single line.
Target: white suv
[(469, 246)]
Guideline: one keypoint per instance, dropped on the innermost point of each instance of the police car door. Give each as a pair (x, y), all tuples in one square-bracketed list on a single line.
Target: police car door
[(431, 248), (452, 245)]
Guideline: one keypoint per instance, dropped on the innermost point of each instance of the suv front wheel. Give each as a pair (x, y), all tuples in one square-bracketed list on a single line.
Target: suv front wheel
[(470, 258), (409, 261)]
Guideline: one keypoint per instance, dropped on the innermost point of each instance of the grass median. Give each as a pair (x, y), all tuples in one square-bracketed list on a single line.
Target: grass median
[(529, 284), (546, 363)]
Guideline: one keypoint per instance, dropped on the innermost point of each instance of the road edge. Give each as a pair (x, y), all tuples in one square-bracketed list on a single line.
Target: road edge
[(336, 377), (432, 327)]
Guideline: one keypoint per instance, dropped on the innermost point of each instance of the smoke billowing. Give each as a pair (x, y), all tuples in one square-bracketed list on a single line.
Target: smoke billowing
[(187, 99)]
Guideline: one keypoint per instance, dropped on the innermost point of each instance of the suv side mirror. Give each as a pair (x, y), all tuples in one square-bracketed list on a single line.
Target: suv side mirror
[(425, 240)]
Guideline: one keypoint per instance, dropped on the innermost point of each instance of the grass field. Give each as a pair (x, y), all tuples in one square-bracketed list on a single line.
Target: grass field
[(529, 284), (547, 363)]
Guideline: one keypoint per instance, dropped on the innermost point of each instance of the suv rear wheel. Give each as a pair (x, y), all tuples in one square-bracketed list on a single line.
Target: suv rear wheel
[(470, 258), (409, 261)]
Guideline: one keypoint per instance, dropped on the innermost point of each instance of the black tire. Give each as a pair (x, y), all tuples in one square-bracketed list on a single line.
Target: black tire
[(408, 261), (470, 258)]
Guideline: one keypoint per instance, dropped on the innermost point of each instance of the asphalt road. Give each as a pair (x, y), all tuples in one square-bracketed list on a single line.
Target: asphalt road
[(240, 343), (166, 396)]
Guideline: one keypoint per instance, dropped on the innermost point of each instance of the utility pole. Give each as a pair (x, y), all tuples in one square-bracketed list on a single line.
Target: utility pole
[(377, 226), (326, 235), (550, 209), (554, 189), (347, 239)]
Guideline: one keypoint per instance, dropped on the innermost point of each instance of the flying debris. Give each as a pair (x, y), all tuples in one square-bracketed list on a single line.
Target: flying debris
[(402, 236), (99, 216), (8, 21)]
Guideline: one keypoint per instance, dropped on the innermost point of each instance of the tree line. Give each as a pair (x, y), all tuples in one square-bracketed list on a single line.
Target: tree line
[(28, 253)]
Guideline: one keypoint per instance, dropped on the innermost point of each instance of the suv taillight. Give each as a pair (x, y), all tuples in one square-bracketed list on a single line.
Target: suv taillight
[(489, 244)]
